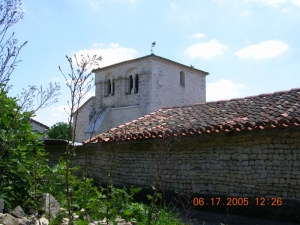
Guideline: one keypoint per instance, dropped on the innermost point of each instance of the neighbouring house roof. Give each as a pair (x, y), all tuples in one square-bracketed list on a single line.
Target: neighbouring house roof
[(265, 111), (152, 56), (37, 122), (48, 141)]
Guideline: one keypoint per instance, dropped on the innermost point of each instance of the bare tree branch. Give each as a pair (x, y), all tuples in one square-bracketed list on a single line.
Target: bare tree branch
[(44, 98), (79, 82), (10, 13)]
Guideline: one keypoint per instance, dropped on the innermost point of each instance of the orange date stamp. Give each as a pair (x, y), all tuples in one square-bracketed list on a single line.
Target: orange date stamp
[(237, 201)]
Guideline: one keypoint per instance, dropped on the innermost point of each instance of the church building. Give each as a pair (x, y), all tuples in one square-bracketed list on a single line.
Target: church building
[(131, 89)]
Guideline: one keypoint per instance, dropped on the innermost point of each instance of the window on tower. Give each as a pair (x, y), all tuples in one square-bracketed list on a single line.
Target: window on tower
[(108, 87), (136, 83), (182, 78), (130, 84)]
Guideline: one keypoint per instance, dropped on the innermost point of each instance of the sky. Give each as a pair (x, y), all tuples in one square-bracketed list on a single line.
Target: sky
[(249, 47)]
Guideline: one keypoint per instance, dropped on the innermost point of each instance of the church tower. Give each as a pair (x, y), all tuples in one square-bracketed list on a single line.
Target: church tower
[(128, 90)]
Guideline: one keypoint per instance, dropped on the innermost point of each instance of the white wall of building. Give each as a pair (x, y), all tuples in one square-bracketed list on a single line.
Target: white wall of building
[(158, 86)]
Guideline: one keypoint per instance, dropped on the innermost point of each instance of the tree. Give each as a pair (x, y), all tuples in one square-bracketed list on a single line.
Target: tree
[(10, 13), (21, 154), (59, 130), (79, 82), (19, 149)]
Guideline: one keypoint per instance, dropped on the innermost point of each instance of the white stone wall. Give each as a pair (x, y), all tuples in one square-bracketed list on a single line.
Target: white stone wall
[(120, 75), (83, 120), (166, 88), (37, 127), (119, 116)]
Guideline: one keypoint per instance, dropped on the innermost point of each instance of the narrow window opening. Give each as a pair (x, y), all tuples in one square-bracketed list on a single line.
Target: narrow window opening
[(130, 83), (108, 87), (182, 78), (113, 88), (136, 83)]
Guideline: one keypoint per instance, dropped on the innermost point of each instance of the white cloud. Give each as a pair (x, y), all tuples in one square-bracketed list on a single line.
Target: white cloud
[(245, 13), (296, 2), (185, 17), (98, 45), (223, 89), (173, 5), (94, 4), (87, 96), (60, 111), (273, 3), (114, 45), (52, 116), (206, 50), (263, 50), (198, 35), (287, 10), (56, 79), (110, 55)]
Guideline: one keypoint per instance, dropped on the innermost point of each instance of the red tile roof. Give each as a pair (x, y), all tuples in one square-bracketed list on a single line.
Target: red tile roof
[(276, 110)]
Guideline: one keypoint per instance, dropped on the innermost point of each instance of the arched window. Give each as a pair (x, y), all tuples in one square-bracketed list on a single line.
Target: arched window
[(136, 83), (130, 84), (108, 87), (182, 78)]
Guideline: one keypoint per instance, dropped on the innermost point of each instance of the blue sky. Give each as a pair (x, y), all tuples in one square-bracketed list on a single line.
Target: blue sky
[(249, 47)]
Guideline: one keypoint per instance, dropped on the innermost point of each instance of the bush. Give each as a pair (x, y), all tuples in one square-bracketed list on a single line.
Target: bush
[(21, 154), (59, 130)]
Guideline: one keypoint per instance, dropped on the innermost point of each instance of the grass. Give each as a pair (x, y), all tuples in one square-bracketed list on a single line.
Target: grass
[(169, 217)]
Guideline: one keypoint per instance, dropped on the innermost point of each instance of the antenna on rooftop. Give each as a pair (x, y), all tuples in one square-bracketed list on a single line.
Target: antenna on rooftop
[(153, 45)]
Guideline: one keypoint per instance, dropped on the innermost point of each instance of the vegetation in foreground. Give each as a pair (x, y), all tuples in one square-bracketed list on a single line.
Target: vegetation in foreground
[(24, 173)]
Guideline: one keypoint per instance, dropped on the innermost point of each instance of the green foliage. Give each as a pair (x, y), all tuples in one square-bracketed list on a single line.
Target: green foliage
[(21, 154), (60, 130), (168, 217)]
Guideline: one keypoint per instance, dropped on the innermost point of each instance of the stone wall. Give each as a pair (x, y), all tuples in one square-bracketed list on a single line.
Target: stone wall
[(117, 116), (263, 164), (166, 90), (83, 119)]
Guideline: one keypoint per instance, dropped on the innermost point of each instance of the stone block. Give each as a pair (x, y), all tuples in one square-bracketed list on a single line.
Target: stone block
[(17, 212), (225, 157), (243, 157), (245, 163), (262, 156), (7, 219), (256, 150), (49, 201), (296, 163)]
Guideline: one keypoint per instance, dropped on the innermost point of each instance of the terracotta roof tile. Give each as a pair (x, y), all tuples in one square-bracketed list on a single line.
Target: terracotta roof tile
[(265, 111)]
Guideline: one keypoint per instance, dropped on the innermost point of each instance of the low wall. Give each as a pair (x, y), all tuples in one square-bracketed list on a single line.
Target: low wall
[(262, 167)]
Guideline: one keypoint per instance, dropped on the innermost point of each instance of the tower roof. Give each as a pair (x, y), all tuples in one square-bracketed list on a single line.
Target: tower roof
[(153, 57)]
